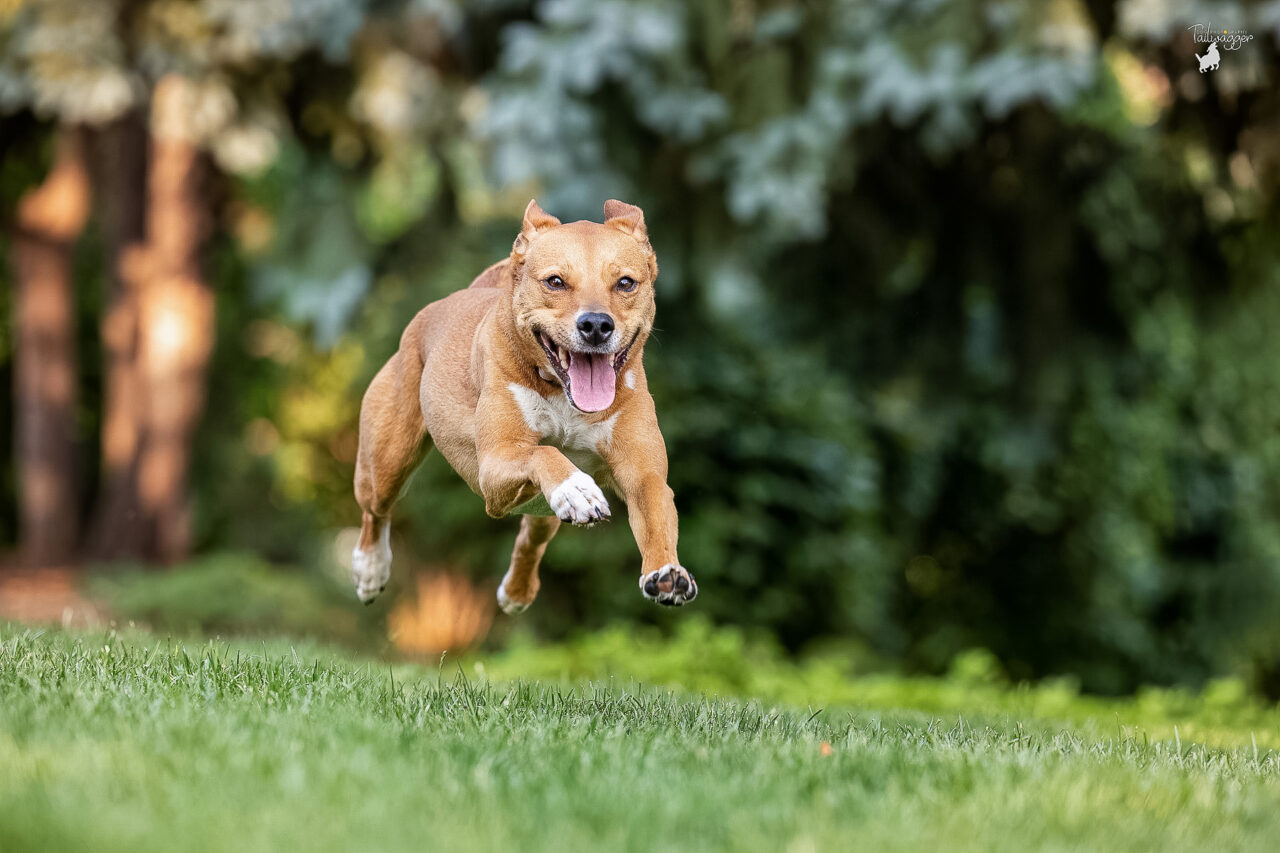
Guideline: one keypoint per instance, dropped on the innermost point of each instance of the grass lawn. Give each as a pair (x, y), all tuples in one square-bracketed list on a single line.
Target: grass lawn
[(139, 743)]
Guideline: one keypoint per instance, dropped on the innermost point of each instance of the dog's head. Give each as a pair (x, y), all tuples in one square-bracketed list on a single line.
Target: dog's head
[(583, 298)]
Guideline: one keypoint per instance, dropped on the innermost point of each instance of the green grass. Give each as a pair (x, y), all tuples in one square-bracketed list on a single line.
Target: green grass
[(134, 743), (725, 662)]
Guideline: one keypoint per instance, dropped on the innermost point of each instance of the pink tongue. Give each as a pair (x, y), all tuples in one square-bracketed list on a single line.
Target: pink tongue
[(591, 379)]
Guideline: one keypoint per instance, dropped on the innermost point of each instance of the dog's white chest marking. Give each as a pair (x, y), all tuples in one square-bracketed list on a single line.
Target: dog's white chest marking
[(559, 424)]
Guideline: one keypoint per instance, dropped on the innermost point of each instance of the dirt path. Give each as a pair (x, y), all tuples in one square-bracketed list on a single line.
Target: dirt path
[(42, 596)]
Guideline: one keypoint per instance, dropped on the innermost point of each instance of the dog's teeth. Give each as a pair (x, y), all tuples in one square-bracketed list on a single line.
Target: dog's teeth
[(564, 357)]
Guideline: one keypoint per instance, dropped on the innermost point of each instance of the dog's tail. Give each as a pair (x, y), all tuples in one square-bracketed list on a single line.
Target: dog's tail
[(494, 275)]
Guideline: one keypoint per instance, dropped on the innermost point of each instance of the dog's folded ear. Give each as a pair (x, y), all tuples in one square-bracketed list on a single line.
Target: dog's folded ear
[(626, 217), (630, 219), (535, 220)]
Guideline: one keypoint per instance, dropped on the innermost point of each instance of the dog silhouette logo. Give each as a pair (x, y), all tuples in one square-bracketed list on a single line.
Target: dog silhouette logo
[(1209, 62), (1216, 40)]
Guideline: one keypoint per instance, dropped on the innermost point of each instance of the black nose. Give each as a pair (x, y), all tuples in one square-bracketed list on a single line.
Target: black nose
[(595, 329)]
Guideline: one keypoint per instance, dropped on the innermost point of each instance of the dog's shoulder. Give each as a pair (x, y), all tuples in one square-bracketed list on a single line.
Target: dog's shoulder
[(494, 275)]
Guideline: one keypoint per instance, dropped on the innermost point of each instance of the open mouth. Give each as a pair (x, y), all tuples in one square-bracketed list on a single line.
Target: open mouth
[(590, 379)]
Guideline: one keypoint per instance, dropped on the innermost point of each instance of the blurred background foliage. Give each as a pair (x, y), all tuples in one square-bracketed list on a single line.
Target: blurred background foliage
[(966, 312)]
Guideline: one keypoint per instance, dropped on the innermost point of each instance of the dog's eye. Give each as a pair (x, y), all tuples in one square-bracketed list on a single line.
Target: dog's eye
[(555, 282), (626, 284)]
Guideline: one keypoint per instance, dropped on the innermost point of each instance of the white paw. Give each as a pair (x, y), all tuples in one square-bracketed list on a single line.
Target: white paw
[(509, 605), (578, 500), (370, 570), (670, 585)]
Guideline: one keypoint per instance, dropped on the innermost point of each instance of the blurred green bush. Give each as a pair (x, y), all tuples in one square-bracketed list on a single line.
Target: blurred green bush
[(233, 593)]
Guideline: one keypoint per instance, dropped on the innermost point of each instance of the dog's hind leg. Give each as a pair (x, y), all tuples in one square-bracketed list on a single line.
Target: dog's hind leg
[(393, 440), (520, 584)]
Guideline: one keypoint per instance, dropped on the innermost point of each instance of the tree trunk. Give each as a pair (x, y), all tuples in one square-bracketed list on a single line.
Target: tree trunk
[(49, 219), (176, 311), (118, 159), (158, 329)]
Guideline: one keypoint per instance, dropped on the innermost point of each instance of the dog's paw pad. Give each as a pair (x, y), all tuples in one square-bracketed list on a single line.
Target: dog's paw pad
[(578, 500), (670, 585)]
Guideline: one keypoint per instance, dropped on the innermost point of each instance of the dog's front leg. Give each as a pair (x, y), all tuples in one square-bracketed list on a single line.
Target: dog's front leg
[(637, 458), (514, 468), (511, 475)]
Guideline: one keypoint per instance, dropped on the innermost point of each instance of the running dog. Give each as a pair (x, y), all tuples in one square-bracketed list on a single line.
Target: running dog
[(1211, 58), (531, 384)]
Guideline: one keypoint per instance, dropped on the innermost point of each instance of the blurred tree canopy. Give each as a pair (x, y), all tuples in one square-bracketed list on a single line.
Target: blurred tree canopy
[(965, 313)]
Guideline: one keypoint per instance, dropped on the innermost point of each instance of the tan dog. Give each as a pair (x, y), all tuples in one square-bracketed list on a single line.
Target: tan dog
[(530, 383)]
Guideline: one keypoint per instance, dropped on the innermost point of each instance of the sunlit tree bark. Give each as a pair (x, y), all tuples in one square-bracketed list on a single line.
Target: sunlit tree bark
[(49, 219), (176, 316), (157, 329)]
